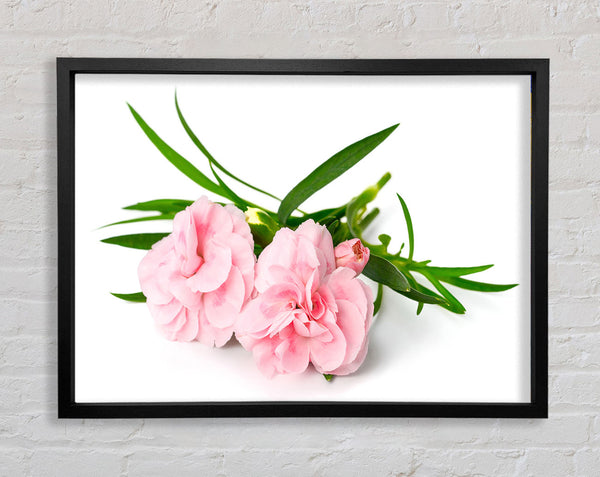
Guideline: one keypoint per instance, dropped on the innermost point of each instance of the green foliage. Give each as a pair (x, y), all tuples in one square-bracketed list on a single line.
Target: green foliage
[(139, 241), (343, 222), (330, 170), (133, 297)]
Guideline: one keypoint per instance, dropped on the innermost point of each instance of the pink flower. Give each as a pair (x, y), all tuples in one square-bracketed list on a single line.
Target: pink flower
[(197, 279), (306, 309), (352, 254)]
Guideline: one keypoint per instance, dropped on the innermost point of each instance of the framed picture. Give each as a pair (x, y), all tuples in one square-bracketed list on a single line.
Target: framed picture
[(302, 237)]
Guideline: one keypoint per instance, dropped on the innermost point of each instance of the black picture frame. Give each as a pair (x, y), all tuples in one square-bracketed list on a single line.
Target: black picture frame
[(538, 69)]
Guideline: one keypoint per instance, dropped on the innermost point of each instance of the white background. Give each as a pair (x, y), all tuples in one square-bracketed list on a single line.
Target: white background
[(460, 158)]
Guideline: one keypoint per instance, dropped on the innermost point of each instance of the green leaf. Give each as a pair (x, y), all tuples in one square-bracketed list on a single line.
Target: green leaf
[(209, 156), (328, 377), (340, 234), (163, 206), (476, 286), (378, 299), (236, 199), (409, 228), (386, 273), (368, 219), (416, 295), (358, 205), (176, 159), (423, 294), (455, 306), (456, 271), (332, 226), (169, 216), (419, 308), (139, 241), (330, 170), (422, 288), (134, 297), (336, 212), (385, 239)]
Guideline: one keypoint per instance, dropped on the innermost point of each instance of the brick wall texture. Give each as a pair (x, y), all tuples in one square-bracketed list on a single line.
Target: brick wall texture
[(34, 442)]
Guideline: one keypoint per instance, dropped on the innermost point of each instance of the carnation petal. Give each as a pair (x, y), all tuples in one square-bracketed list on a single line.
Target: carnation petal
[(279, 298), (180, 289), (154, 272), (240, 226), (352, 324), (242, 257), (351, 367), (264, 356), (307, 260), (327, 356), (345, 286), (186, 242), (222, 336), (215, 269), (281, 252), (164, 314), (252, 321), (171, 329), (293, 355), (189, 328), (222, 306), (210, 219), (320, 237)]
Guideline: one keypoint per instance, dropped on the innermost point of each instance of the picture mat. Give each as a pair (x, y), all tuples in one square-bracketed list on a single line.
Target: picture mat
[(460, 158)]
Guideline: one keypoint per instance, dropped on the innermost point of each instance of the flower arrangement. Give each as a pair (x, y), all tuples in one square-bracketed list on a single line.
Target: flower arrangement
[(287, 283)]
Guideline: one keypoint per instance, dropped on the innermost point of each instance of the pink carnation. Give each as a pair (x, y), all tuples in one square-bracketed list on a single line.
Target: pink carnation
[(197, 279), (306, 310), (352, 254)]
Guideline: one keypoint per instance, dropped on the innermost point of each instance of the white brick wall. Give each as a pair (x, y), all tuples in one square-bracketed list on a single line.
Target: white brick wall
[(34, 442)]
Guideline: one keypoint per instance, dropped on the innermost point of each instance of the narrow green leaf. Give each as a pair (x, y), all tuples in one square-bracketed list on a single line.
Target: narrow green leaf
[(354, 212), (328, 171), (341, 234), (378, 299), (163, 206), (386, 273), (368, 219), (455, 305), (210, 157), (175, 158), (328, 377), (169, 216), (134, 297), (419, 308), (422, 294), (476, 286), (422, 288), (416, 295), (317, 216), (456, 271), (236, 199), (358, 205), (139, 241), (332, 226), (409, 228)]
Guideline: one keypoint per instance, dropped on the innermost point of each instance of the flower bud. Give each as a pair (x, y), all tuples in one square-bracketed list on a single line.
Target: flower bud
[(352, 254), (262, 226)]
